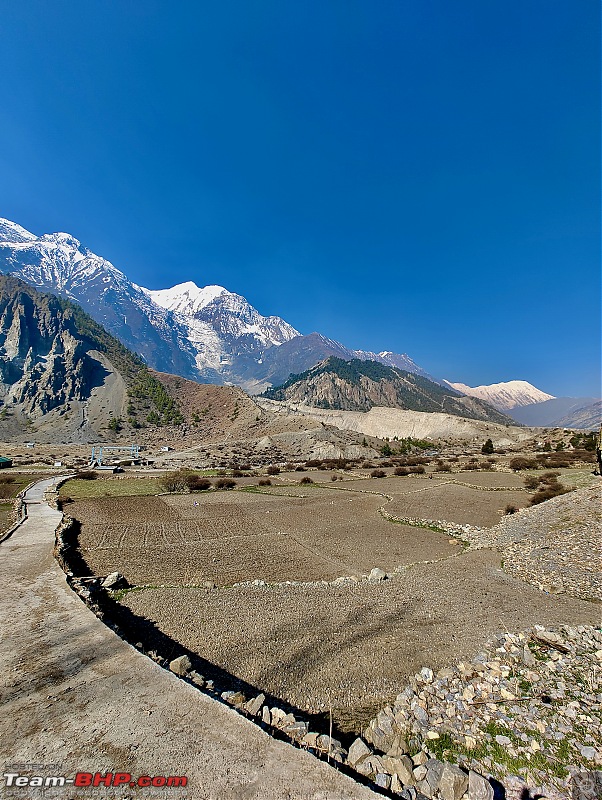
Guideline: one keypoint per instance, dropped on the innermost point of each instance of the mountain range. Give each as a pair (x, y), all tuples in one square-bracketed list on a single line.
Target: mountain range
[(211, 335), (207, 334)]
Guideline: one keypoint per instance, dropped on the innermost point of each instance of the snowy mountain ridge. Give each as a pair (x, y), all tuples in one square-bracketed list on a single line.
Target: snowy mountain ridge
[(505, 395), (196, 332)]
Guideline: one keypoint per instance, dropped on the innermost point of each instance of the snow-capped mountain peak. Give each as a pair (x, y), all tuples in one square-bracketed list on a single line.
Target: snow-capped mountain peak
[(505, 395), (186, 298), (11, 232)]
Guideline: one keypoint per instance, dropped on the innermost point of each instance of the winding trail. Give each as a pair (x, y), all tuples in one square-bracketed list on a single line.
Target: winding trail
[(78, 698)]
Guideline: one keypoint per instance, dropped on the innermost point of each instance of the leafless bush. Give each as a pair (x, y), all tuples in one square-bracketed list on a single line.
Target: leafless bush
[(225, 483), (520, 462), (196, 483)]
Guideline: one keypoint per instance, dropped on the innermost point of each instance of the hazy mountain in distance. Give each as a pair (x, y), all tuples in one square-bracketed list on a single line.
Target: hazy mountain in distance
[(558, 412)]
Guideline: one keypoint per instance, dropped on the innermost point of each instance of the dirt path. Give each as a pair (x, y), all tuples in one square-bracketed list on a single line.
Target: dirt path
[(77, 698)]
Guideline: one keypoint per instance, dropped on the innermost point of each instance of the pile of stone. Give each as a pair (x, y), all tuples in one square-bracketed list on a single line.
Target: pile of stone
[(286, 723), (525, 713)]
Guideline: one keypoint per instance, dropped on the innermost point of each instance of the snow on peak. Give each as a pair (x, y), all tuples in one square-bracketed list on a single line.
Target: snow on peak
[(11, 232), (505, 395), (186, 298)]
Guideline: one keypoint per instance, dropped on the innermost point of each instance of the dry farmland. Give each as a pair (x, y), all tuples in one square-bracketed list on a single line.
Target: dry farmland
[(352, 644)]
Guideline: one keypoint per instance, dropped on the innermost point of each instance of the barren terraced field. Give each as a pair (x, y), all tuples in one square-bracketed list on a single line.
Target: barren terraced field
[(314, 642), (227, 537)]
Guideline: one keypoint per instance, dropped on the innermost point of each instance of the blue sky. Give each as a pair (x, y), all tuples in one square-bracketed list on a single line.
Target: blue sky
[(411, 175)]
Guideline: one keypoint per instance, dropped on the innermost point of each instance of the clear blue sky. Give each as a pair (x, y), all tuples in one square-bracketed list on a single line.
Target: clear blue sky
[(412, 175)]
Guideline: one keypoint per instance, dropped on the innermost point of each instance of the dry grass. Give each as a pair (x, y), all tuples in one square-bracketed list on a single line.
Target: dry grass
[(110, 487)]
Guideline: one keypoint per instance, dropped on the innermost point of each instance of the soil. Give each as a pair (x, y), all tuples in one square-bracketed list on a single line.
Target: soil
[(311, 644), (354, 645)]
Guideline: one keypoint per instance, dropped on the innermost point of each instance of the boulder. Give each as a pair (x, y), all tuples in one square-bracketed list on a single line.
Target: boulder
[(479, 787), (401, 768), (434, 768), (383, 780), (377, 575), (452, 783), (180, 666), (253, 707), (358, 751), (115, 581)]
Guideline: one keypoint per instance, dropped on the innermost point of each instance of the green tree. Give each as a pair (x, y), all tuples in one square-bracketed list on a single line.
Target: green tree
[(487, 448)]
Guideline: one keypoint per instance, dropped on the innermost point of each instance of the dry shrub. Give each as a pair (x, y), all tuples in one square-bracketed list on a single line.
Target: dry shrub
[(313, 462), (443, 467), (7, 479), (174, 481), (402, 471), (87, 475), (520, 462), (419, 470), (416, 461), (264, 482), (196, 483), (531, 482), (547, 492), (367, 465), (225, 483), (273, 470), (378, 473), (306, 479), (510, 509)]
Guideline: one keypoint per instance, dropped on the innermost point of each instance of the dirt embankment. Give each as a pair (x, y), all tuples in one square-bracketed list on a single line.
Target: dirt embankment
[(390, 422)]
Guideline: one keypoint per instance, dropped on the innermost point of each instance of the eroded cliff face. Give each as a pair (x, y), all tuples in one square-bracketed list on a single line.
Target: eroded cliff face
[(43, 361)]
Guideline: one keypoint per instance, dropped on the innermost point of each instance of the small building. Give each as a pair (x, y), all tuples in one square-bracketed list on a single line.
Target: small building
[(5, 462)]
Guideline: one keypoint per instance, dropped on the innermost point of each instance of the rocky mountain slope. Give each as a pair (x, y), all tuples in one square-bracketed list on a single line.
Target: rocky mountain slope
[(505, 396), (62, 375), (361, 385), (202, 333)]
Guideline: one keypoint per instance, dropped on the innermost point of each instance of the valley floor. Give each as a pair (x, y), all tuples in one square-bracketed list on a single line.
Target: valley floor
[(292, 611)]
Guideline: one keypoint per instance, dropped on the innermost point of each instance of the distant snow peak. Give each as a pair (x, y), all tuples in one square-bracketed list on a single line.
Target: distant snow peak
[(505, 395), (186, 298)]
